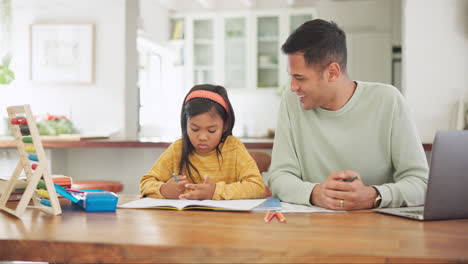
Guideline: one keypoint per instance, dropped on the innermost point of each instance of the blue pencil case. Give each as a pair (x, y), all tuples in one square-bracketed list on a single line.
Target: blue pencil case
[(98, 201), (90, 200)]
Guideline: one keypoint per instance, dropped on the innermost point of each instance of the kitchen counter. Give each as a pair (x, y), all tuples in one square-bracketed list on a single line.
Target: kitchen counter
[(251, 143)]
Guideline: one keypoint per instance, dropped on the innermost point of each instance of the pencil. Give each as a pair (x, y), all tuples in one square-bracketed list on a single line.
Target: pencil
[(351, 179), (76, 191), (175, 177)]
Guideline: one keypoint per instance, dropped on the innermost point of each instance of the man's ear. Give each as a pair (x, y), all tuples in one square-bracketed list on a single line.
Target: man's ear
[(334, 71)]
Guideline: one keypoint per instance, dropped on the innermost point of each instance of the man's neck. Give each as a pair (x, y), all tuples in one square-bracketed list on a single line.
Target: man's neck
[(344, 92)]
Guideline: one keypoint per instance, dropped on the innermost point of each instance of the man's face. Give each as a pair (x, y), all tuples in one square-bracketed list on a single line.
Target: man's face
[(310, 85)]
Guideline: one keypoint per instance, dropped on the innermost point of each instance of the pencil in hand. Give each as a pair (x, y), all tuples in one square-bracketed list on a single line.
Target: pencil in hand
[(351, 179), (175, 177)]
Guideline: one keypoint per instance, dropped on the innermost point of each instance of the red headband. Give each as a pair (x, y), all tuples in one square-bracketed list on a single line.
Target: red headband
[(208, 95)]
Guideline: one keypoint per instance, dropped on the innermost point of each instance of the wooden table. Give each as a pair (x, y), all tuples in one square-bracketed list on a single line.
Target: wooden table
[(137, 236)]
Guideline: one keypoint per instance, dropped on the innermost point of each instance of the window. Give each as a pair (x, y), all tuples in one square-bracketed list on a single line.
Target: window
[(160, 95)]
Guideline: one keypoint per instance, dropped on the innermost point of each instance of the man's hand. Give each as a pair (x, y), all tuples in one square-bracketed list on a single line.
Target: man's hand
[(172, 189), (336, 194), (202, 191)]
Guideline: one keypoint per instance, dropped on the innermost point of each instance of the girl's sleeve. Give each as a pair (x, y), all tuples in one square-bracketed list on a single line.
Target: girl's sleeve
[(160, 173), (250, 184)]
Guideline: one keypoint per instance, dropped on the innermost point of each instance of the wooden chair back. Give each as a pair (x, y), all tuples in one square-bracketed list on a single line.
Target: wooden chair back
[(263, 160)]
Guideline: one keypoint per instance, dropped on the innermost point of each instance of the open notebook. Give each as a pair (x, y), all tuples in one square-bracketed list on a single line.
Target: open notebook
[(227, 205)]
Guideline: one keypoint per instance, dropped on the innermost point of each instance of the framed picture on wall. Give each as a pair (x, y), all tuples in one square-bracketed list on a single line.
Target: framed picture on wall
[(62, 53)]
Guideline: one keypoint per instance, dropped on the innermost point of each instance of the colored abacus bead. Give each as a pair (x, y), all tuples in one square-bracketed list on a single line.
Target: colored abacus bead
[(43, 193), (34, 166), (27, 140), (46, 202), (19, 121), (25, 131), (30, 149), (33, 157), (15, 121)]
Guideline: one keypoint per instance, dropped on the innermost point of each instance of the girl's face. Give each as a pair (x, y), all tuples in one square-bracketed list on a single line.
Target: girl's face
[(205, 131)]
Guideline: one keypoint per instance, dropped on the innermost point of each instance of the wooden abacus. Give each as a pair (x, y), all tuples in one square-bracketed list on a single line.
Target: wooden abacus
[(28, 141)]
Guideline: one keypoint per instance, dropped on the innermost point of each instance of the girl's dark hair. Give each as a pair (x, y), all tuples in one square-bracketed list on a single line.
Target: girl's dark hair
[(197, 106), (322, 43)]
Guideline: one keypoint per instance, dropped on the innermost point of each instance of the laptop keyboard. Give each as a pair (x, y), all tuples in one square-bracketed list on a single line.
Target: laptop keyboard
[(415, 212)]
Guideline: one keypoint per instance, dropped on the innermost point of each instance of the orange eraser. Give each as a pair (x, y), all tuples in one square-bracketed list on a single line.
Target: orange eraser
[(272, 214), (267, 215), (281, 217)]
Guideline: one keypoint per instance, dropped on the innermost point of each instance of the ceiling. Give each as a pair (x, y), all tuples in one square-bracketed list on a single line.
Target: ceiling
[(209, 5)]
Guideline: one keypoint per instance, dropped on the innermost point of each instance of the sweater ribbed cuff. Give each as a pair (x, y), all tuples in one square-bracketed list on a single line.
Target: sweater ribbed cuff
[(217, 192), (305, 192), (386, 194)]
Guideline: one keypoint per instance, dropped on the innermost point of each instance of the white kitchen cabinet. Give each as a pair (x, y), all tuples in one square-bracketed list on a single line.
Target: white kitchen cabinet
[(235, 37), (242, 50), (203, 47), (272, 30), (238, 50), (295, 20), (268, 51)]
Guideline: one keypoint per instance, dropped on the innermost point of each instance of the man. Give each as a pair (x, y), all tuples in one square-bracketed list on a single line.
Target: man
[(331, 128)]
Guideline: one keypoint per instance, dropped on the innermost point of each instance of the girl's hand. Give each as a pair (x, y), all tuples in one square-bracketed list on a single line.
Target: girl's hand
[(203, 191), (172, 189)]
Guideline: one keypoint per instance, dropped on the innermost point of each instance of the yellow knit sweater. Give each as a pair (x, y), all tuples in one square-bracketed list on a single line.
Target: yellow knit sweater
[(235, 173)]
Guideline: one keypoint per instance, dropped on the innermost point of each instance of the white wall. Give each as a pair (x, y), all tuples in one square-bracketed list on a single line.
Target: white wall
[(396, 22), (95, 108), (165, 93), (256, 112), (154, 21), (435, 61), (5, 27), (362, 15), (129, 130)]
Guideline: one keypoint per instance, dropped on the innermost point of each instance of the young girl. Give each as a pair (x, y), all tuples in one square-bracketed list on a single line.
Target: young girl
[(208, 162)]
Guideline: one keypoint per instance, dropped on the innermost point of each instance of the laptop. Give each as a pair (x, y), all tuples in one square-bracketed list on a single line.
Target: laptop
[(447, 193)]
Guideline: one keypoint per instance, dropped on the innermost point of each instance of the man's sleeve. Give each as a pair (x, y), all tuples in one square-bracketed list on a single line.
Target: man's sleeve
[(411, 170), (285, 179)]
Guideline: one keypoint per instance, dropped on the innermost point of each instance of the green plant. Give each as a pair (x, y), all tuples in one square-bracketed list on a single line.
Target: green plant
[(55, 125), (6, 74)]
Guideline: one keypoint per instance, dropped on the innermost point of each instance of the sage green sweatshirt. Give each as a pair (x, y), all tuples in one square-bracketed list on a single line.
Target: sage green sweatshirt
[(373, 134)]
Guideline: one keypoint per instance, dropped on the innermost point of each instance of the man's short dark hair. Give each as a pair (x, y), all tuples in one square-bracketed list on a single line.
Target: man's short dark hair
[(322, 43)]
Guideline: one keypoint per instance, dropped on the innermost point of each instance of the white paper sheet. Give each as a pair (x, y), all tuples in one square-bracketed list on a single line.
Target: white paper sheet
[(296, 208)]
